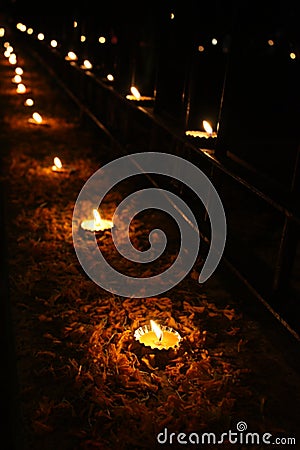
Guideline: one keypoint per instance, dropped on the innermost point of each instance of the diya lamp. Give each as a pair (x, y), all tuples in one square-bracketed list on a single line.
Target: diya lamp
[(135, 96), (97, 224), (206, 138), (157, 336), (58, 166)]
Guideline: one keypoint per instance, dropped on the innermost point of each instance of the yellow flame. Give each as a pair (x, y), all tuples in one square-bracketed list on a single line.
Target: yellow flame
[(156, 329), (19, 70), (87, 64), (72, 56), (207, 127), (135, 92), (21, 88), (28, 102), (97, 218), (57, 162), (37, 117), (17, 79)]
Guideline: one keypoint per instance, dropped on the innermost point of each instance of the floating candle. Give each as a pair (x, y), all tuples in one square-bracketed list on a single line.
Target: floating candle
[(157, 336), (98, 224)]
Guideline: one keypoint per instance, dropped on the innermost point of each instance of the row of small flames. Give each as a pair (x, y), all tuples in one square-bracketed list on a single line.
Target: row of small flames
[(154, 335)]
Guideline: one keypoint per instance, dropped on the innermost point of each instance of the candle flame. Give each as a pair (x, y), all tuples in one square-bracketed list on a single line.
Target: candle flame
[(157, 330), (21, 89), (37, 117), (207, 127), (135, 92), (57, 162), (97, 218)]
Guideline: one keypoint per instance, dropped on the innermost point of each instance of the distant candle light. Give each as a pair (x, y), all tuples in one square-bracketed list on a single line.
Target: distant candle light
[(21, 88), (135, 92), (87, 64), (36, 118), (29, 102), (17, 79), (19, 71), (41, 36), (71, 56), (102, 40), (12, 59), (53, 43)]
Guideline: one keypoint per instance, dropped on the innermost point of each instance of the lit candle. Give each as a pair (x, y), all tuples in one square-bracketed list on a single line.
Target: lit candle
[(97, 224), (156, 336), (17, 79), (59, 167), (21, 88), (71, 56), (86, 65), (29, 102), (36, 119), (208, 133), (136, 96)]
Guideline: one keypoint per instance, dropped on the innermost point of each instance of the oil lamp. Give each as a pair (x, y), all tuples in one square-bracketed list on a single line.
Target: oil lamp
[(97, 224), (135, 96), (157, 336)]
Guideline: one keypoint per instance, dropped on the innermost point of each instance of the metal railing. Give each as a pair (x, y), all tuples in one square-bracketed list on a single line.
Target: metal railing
[(263, 222)]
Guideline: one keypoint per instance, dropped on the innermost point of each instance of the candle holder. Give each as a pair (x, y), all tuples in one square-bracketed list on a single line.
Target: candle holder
[(206, 139), (157, 336), (97, 224)]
